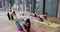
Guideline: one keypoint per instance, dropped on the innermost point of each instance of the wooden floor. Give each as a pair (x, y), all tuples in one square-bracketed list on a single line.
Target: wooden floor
[(5, 26), (43, 28)]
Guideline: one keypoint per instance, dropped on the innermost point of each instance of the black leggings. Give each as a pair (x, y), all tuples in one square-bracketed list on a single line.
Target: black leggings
[(9, 16), (40, 18)]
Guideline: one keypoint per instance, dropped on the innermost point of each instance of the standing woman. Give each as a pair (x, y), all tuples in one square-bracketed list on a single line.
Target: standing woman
[(11, 15)]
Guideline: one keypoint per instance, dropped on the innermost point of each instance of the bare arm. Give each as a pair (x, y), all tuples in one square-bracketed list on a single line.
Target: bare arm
[(32, 30), (15, 16), (10, 18), (23, 28)]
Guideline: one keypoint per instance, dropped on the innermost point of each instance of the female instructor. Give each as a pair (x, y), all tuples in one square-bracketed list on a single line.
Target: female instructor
[(11, 15)]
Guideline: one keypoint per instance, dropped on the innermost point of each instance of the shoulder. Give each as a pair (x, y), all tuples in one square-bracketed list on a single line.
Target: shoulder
[(10, 13), (20, 21), (41, 15)]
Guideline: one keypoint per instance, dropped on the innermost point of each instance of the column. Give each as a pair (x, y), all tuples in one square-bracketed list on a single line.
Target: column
[(58, 16)]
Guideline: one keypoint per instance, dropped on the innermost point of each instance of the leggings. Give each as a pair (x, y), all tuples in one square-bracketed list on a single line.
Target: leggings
[(40, 18), (9, 16)]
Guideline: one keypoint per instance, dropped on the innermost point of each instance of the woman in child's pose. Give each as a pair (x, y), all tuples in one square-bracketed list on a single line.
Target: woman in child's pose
[(27, 26)]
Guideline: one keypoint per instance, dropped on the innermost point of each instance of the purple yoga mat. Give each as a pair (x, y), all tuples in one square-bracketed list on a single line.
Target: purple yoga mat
[(18, 29), (15, 27)]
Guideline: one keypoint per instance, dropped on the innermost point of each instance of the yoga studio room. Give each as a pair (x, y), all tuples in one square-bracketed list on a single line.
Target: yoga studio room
[(29, 15)]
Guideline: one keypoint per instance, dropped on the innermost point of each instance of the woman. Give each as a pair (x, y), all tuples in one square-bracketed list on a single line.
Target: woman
[(26, 27), (43, 17), (11, 14), (37, 14)]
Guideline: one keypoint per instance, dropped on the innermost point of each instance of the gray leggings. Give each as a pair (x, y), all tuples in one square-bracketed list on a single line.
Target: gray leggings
[(19, 27)]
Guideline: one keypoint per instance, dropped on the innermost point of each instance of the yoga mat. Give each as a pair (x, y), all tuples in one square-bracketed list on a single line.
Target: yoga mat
[(14, 21), (53, 25)]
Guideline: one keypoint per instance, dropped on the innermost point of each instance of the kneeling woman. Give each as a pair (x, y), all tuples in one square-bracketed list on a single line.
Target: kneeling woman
[(27, 26), (11, 14)]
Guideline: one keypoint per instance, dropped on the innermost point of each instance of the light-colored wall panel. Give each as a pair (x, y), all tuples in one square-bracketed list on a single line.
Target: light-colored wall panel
[(51, 7), (39, 6), (58, 8)]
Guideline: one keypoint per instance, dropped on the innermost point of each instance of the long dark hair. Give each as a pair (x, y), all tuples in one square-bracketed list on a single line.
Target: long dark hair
[(45, 16), (14, 12), (28, 28), (28, 21)]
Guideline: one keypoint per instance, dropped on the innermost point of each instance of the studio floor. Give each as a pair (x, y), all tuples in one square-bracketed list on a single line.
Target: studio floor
[(5, 26)]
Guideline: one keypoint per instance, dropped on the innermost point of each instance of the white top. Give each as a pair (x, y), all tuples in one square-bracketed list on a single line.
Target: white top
[(10, 13), (41, 16)]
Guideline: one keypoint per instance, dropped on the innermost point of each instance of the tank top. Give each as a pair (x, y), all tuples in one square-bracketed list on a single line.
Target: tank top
[(10, 13)]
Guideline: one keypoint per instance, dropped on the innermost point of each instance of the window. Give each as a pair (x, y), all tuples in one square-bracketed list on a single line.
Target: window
[(4, 2), (0, 4)]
